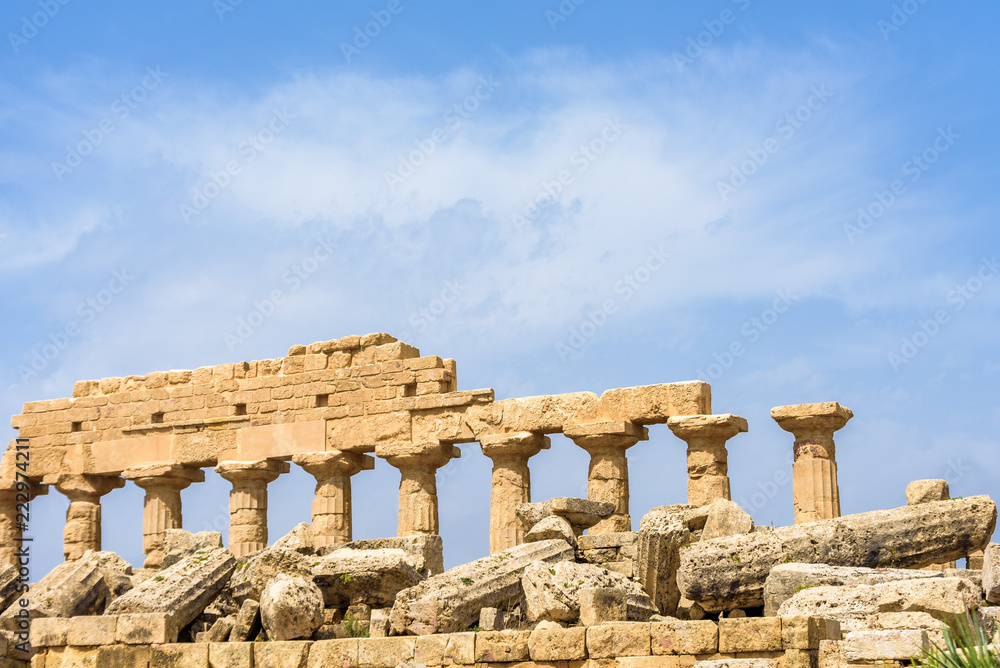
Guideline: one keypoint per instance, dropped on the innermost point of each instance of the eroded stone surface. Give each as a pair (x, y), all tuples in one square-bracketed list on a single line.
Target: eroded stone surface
[(549, 528), (726, 518), (372, 577), (991, 573), (71, 589), (254, 571), (291, 608), (178, 544), (552, 590)]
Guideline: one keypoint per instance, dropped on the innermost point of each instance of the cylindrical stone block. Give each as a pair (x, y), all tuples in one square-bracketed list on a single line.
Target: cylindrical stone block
[(707, 456), (418, 464), (248, 502), (331, 509), (162, 504), (83, 517), (511, 483)]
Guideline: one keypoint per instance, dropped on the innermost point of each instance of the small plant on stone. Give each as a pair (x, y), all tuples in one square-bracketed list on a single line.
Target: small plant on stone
[(353, 628), (466, 581), (966, 645), (346, 578)]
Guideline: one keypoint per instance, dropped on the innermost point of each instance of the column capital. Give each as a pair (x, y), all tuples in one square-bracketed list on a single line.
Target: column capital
[(428, 455), (81, 485), (715, 427), (9, 489), (263, 470), (333, 462), (515, 444), (826, 417), (166, 475), (614, 434)]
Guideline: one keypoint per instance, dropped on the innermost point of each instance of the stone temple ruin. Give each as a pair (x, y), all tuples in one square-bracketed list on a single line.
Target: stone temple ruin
[(569, 582)]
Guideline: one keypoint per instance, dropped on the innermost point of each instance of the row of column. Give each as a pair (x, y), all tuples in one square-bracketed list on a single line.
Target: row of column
[(814, 476)]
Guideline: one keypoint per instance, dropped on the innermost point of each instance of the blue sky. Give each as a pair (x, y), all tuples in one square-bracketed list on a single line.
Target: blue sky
[(793, 203)]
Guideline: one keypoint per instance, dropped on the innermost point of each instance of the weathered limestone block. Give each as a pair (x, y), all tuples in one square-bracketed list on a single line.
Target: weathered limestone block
[(707, 457), (254, 571), (511, 483), (853, 605), (975, 576), (181, 591), (299, 539), (551, 591), (220, 630), (726, 518), (83, 517), (785, 580), (815, 493), (580, 513), (662, 533), (371, 577), (925, 491), (71, 589), (451, 601), (179, 655), (991, 573), (291, 608), (490, 619), (884, 645), (178, 544), (9, 584), (550, 528), (609, 641), (684, 637), (247, 622), (736, 663), (602, 604), (727, 573), (378, 625), (145, 628), (281, 654), (806, 633), (655, 404), (50, 631), (542, 414), (92, 630), (750, 634), (551, 642), (502, 646), (229, 655), (426, 553)]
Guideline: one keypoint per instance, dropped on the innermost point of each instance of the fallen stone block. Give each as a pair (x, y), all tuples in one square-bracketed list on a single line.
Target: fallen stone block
[(247, 622), (852, 605), (372, 577), (727, 573), (726, 518), (975, 576), (580, 513), (663, 532), (550, 528), (291, 608), (10, 584), (451, 601), (551, 642), (254, 571), (71, 589), (117, 572), (490, 619), (883, 645), (785, 580), (602, 604), (426, 552), (903, 621), (178, 544), (220, 630), (925, 491), (299, 539), (551, 591), (181, 591), (991, 572), (378, 623)]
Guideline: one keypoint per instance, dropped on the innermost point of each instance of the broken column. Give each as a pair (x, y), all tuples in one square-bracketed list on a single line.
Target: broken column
[(924, 491), (418, 464), (331, 509), (83, 517), (707, 457), (248, 502), (814, 473), (511, 483), (13, 493), (162, 506), (607, 476), (727, 573)]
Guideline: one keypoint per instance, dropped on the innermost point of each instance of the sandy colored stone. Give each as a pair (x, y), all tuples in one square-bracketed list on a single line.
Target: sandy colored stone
[(385, 652), (598, 605), (882, 645), (551, 642), (684, 637), (92, 630), (580, 513), (278, 654), (615, 639), (373, 577), (451, 601), (254, 571), (178, 544), (511, 483), (663, 533), (502, 646), (426, 553), (291, 608), (145, 629), (853, 605), (339, 652), (9, 584), (230, 655), (551, 590), (750, 634), (737, 663), (490, 619), (550, 528), (186, 655), (247, 622), (707, 457), (786, 580), (299, 539), (805, 632), (123, 656), (727, 573), (50, 631), (924, 491), (726, 518), (71, 589), (991, 573)]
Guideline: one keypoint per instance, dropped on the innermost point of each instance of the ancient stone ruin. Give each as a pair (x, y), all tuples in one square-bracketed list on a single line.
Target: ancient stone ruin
[(568, 582)]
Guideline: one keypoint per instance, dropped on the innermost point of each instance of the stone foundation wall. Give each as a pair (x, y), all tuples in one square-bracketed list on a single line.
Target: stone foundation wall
[(793, 642)]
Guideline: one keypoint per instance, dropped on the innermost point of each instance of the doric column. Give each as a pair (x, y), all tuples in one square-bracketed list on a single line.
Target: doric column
[(248, 502), (511, 483), (814, 473), (607, 477), (331, 509), (13, 493), (707, 457), (418, 464), (162, 506), (83, 518)]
